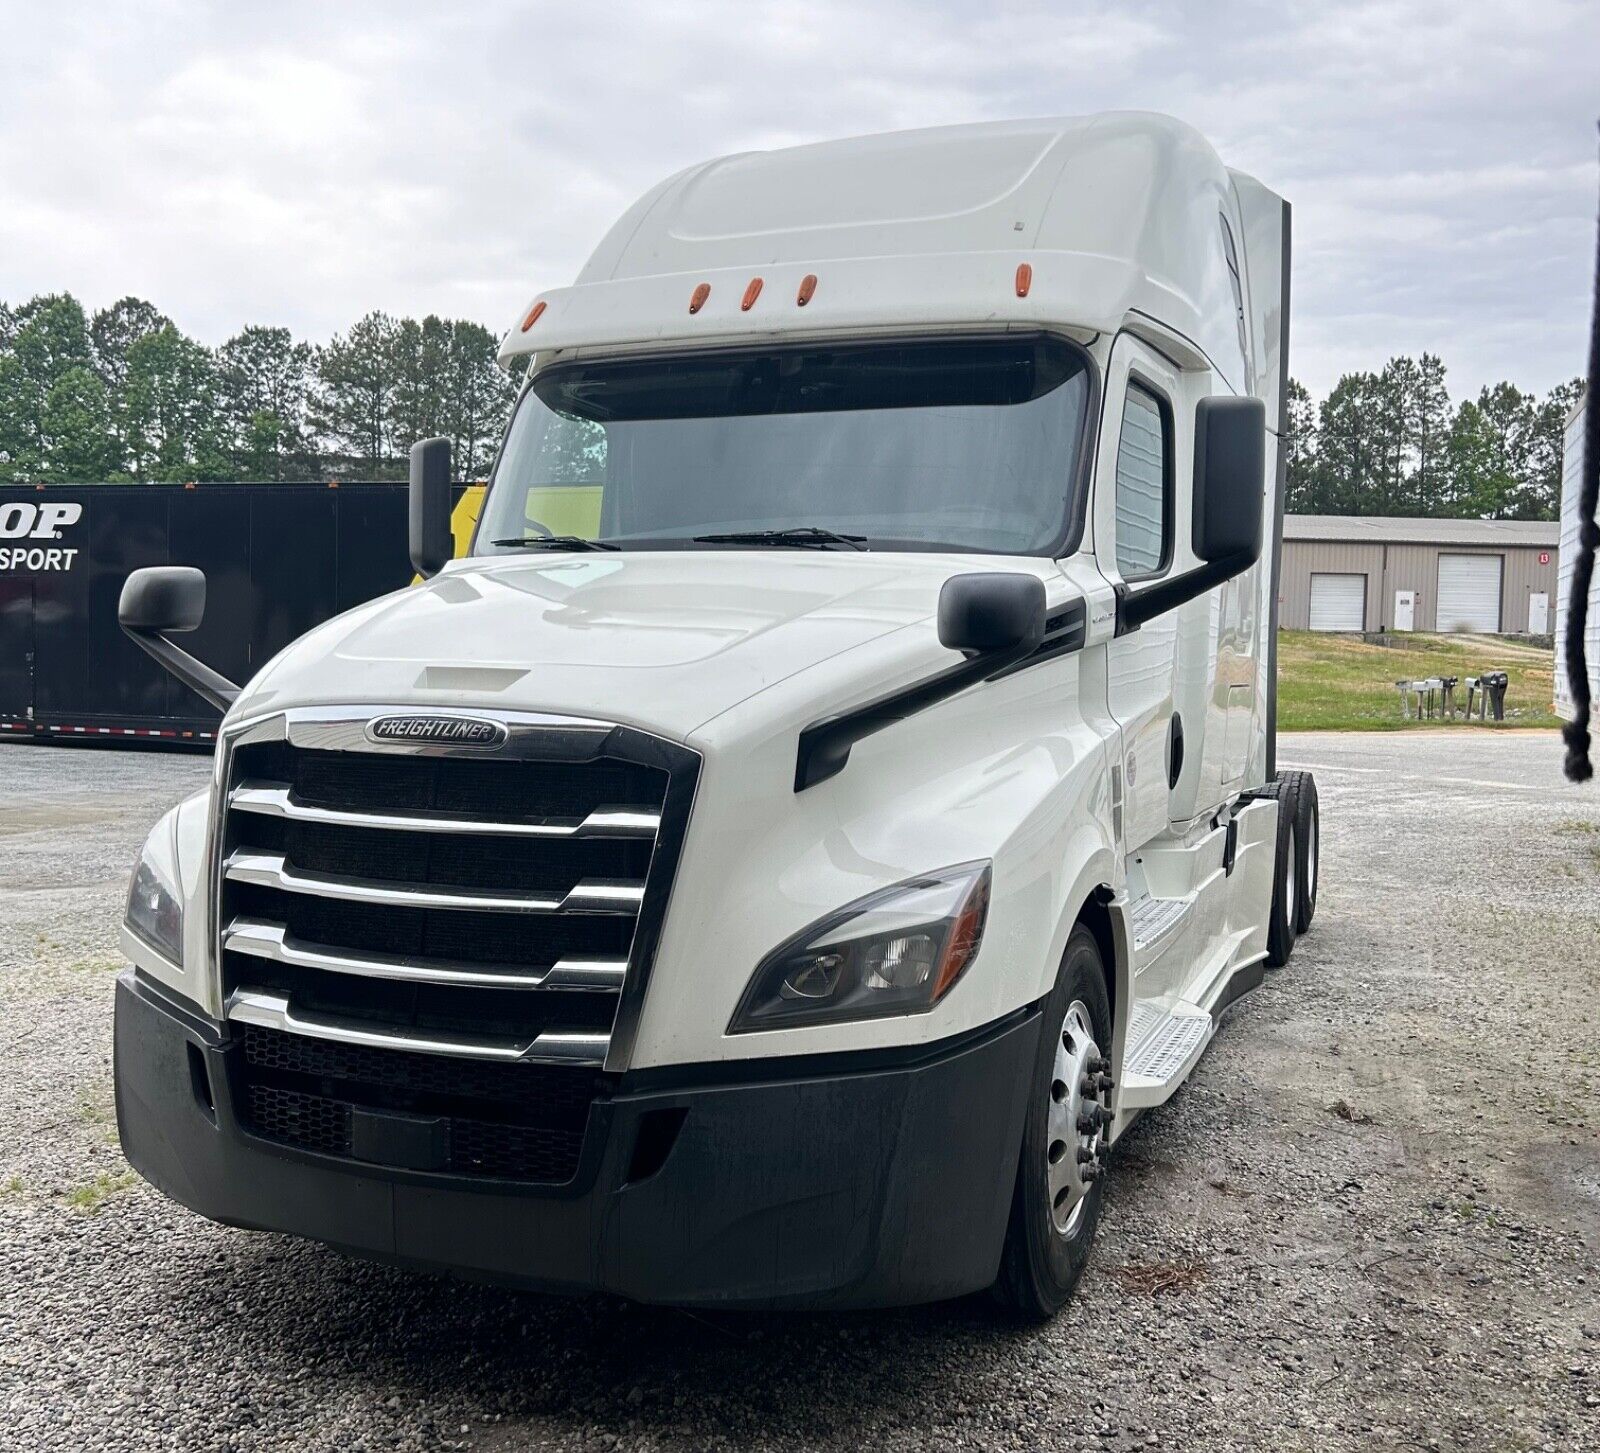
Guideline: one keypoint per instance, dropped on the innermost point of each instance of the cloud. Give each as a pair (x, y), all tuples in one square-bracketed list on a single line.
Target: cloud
[(301, 163)]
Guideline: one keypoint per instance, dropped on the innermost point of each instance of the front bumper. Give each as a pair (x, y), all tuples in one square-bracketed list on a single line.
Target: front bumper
[(839, 1181)]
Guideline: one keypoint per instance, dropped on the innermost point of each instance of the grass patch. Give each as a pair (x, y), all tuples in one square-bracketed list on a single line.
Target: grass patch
[(91, 1198), (12, 1187), (1329, 682)]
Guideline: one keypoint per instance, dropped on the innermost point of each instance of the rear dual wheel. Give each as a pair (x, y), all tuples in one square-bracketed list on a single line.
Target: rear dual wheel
[(1295, 863)]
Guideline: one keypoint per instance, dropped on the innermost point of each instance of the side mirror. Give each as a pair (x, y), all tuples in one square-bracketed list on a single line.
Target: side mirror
[(1230, 461), (431, 542), (162, 598), (1230, 480), (990, 612)]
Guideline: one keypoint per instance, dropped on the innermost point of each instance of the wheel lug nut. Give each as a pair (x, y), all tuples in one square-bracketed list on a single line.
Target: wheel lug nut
[(1085, 1155), (1087, 1123)]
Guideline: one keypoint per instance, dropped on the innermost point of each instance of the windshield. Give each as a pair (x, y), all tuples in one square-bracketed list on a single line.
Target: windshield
[(959, 445)]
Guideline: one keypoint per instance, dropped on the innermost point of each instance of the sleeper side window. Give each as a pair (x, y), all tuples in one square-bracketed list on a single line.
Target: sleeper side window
[(1230, 255), (1144, 485)]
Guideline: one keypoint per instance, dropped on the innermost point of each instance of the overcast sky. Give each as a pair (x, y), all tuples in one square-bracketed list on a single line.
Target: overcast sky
[(302, 163)]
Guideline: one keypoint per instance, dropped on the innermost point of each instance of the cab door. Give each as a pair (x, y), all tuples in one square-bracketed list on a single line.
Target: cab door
[(1136, 506)]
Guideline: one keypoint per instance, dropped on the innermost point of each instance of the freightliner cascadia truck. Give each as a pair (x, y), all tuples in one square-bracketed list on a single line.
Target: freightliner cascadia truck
[(832, 798)]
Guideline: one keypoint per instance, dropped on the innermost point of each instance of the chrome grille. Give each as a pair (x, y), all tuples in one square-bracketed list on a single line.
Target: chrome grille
[(439, 898)]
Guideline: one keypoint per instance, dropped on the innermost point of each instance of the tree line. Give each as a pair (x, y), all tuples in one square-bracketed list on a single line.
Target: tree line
[(1392, 443), (123, 394)]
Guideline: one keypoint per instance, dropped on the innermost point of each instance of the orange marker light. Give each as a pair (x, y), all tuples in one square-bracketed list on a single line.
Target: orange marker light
[(1024, 278), (534, 314), (698, 299), (751, 293), (808, 285)]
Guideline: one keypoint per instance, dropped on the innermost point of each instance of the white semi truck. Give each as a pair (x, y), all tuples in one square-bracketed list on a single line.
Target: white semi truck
[(832, 798)]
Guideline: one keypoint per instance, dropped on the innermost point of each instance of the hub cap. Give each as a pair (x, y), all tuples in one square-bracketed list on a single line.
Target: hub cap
[(1080, 1107)]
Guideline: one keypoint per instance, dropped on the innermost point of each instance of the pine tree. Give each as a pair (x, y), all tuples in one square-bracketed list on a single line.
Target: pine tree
[(354, 394), (264, 377), (1300, 452)]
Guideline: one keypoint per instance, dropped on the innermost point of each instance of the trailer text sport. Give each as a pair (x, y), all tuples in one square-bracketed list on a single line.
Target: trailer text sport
[(834, 796), (21, 520)]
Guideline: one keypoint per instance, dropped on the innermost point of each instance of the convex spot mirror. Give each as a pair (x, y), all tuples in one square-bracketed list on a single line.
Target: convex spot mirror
[(163, 598), (990, 612)]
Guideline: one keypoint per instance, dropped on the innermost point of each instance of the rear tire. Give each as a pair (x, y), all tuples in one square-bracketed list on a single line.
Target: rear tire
[(1308, 842), (1055, 1207), (1283, 913)]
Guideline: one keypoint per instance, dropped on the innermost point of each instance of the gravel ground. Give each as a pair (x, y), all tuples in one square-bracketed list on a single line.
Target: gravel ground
[(1371, 1220)]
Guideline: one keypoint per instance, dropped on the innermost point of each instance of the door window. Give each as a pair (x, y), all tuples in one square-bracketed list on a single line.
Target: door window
[(1144, 485)]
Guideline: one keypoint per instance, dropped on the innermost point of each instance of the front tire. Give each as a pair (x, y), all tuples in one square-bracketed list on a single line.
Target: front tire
[(1056, 1204)]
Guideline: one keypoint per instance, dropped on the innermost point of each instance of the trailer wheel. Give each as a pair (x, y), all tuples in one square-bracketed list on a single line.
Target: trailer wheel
[(1305, 813), (1056, 1203), (1284, 911)]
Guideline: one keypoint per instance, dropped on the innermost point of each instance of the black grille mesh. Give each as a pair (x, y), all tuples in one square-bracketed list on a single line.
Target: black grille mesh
[(293, 1118), (507, 1121)]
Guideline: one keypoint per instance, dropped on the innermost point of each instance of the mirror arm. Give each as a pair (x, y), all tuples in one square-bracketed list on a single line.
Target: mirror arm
[(1135, 606), (196, 675), (825, 745)]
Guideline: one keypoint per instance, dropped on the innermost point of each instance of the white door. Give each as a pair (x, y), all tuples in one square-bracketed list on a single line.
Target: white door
[(1139, 496), (1538, 613), (1338, 602), (1405, 610), (1469, 593)]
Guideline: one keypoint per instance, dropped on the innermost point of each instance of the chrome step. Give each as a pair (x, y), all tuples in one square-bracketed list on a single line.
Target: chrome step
[(271, 941), (274, 799), (273, 1011), (271, 870)]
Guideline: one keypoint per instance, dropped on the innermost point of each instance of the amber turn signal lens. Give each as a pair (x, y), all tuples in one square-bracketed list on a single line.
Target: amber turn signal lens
[(808, 285), (697, 299), (751, 293), (1024, 278), (534, 314)]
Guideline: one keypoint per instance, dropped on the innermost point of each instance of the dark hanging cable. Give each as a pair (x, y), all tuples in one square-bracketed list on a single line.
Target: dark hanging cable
[(1576, 732)]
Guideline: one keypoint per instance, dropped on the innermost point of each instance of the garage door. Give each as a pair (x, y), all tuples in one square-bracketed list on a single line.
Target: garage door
[(1469, 592), (1338, 602)]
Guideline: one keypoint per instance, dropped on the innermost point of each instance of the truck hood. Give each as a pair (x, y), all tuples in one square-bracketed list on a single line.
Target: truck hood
[(663, 640)]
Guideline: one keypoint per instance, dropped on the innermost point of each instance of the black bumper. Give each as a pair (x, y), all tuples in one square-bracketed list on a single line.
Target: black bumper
[(844, 1183)]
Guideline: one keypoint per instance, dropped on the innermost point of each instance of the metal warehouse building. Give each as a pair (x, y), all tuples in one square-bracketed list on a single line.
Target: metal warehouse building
[(1356, 573)]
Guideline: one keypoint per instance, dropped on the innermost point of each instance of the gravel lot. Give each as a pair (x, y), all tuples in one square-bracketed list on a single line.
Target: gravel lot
[(1417, 1269)]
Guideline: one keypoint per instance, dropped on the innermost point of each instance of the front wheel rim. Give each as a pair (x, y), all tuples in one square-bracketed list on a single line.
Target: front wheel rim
[(1075, 1119)]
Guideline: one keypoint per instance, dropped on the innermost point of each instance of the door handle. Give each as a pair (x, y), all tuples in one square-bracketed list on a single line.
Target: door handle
[(1174, 750)]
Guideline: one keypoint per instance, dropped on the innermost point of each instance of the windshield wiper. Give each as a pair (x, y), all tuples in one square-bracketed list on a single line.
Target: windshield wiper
[(556, 542), (801, 536)]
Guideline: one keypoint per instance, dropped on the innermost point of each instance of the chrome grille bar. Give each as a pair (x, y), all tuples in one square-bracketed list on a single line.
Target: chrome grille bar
[(271, 870), (273, 1011), (272, 942), (274, 799)]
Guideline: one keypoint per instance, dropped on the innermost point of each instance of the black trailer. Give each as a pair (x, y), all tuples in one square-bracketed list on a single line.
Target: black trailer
[(278, 558)]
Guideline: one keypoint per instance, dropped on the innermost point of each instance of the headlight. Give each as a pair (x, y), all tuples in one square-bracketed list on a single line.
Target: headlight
[(154, 910), (897, 951)]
